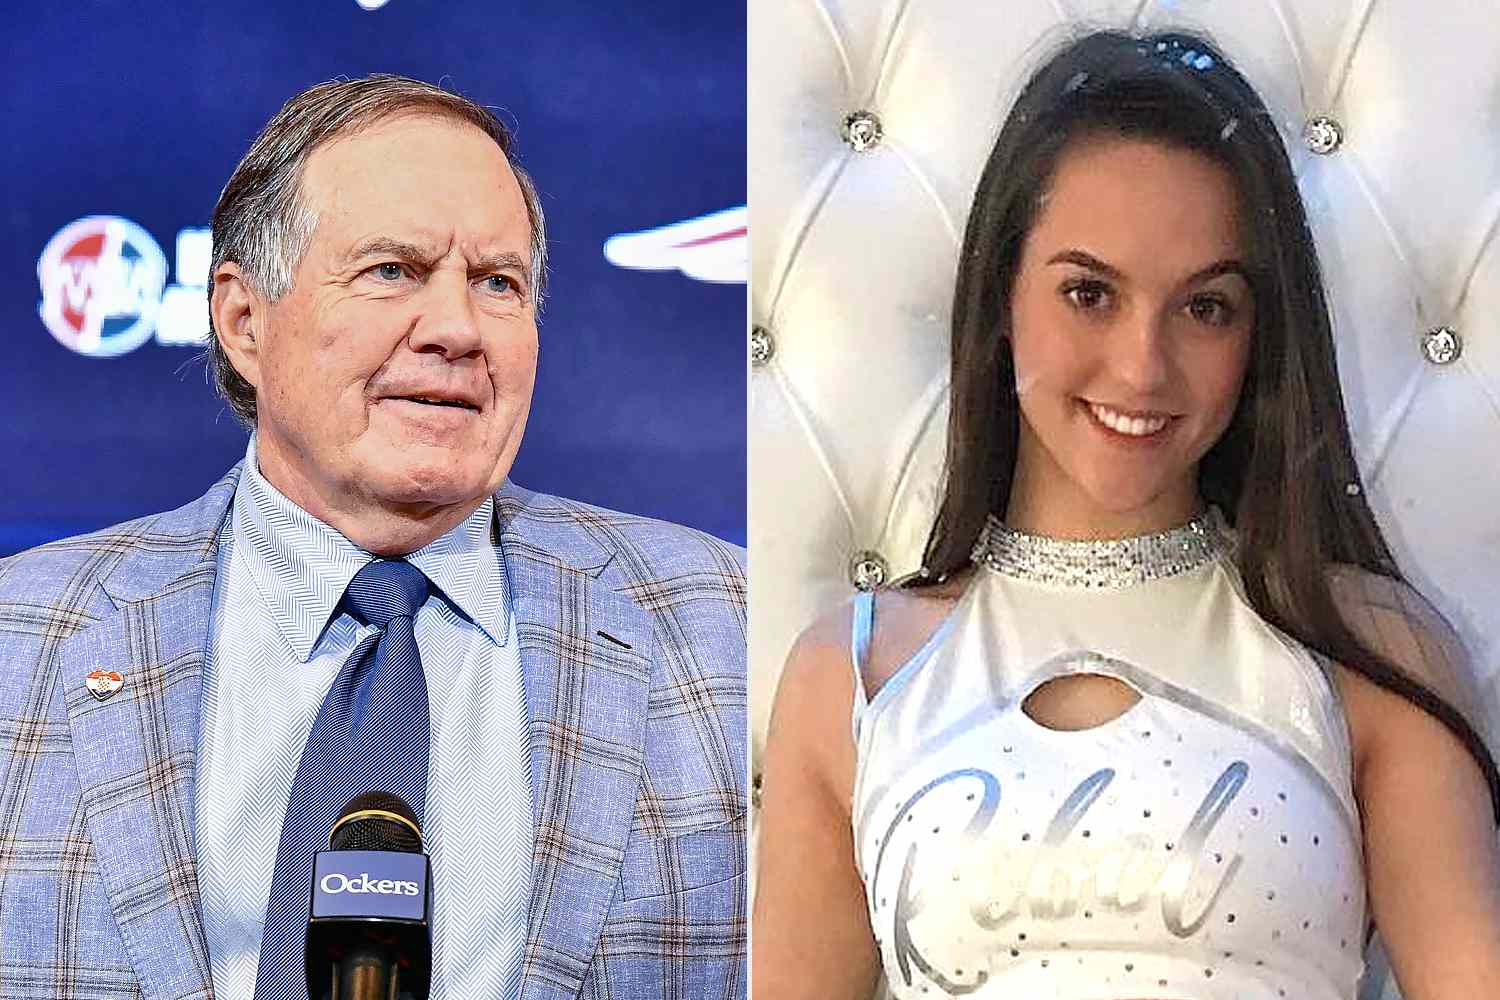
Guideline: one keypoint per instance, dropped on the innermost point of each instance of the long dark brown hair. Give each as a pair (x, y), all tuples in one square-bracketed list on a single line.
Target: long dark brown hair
[(1283, 472)]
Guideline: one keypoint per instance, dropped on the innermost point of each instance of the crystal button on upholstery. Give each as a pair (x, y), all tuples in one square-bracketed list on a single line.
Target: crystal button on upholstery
[(868, 570), (1442, 345), (762, 346), (862, 130), (1323, 135)]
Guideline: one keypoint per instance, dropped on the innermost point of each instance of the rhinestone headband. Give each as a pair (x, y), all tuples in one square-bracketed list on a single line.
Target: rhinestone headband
[(1096, 565)]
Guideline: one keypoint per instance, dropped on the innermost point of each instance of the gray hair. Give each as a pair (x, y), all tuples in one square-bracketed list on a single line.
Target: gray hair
[(262, 223)]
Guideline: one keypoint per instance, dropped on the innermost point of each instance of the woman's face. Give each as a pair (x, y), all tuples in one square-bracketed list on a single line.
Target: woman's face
[(1131, 320)]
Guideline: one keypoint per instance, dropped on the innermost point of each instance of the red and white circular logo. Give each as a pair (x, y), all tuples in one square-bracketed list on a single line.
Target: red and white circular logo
[(102, 279)]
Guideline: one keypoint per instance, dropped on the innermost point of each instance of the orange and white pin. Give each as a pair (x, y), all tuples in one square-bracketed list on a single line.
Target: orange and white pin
[(103, 683)]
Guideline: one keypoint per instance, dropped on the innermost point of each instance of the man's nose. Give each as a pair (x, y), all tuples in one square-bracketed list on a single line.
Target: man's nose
[(448, 322)]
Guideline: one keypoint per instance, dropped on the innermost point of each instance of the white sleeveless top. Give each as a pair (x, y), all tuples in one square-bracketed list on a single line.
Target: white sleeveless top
[(1205, 844)]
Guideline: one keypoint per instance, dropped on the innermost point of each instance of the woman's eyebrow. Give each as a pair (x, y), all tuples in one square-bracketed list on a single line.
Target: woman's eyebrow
[(1082, 258), (1220, 267), (1088, 260)]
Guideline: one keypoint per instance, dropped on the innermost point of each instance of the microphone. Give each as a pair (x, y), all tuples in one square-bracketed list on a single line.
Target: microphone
[(369, 935)]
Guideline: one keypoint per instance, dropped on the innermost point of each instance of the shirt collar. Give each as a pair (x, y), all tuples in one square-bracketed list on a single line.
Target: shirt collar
[(465, 564), (301, 566)]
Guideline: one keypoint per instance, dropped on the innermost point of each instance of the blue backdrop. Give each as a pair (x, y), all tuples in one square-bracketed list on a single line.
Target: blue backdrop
[(630, 120)]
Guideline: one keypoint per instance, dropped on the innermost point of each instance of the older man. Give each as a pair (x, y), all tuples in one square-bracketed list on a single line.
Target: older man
[(365, 602)]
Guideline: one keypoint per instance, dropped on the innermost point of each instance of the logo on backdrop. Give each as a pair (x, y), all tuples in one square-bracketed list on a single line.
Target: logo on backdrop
[(105, 291), (709, 248), (102, 279)]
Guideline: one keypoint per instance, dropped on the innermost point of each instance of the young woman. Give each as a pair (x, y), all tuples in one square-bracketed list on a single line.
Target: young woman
[(1159, 718)]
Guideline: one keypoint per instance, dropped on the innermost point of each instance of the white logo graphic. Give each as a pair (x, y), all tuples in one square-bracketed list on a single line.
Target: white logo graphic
[(101, 279), (709, 248), (105, 292), (337, 882)]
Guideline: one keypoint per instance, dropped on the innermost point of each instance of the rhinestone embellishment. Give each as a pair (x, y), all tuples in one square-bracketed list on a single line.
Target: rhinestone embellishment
[(862, 130), (762, 347), (1097, 565), (1442, 345), (1323, 135), (868, 570)]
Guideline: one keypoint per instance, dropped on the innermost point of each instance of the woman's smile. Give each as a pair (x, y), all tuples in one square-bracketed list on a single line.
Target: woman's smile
[(1137, 427)]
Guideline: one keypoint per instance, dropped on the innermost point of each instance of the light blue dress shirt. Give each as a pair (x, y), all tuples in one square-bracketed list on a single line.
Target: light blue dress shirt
[(275, 646)]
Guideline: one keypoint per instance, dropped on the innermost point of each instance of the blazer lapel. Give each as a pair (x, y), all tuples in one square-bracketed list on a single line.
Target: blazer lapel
[(135, 750), (586, 659), (135, 753)]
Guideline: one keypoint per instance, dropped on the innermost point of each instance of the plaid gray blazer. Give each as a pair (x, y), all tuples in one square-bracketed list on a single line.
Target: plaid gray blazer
[(633, 648)]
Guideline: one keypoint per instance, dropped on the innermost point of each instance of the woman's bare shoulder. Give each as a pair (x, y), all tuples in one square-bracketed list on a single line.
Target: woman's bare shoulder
[(905, 618), (821, 663), (811, 732)]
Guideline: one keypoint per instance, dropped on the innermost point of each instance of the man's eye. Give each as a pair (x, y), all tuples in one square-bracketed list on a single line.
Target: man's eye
[(1086, 295), (389, 272), (499, 284)]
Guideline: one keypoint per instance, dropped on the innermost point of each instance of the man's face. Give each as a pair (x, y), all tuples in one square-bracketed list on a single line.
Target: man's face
[(397, 372)]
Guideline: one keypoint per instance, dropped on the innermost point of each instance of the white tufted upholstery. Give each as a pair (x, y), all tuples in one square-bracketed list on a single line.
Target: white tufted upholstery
[(854, 254)]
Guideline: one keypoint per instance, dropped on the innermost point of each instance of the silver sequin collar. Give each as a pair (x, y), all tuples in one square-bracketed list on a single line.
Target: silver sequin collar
[(1096, 565)]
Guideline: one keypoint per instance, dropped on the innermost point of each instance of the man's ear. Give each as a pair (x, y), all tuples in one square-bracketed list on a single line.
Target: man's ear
[(236, 309)]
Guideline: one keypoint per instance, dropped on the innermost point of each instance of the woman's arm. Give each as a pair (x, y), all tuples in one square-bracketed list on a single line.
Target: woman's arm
[(1430, 846), (810, 932)]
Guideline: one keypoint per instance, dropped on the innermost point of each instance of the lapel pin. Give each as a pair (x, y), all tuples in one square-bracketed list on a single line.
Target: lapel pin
[(103, 683)]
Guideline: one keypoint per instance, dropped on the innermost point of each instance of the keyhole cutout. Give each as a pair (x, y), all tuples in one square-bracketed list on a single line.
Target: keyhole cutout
[(1079, 701)]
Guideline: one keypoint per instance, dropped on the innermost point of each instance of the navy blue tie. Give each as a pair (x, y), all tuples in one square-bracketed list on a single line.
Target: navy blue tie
[(372, 734)]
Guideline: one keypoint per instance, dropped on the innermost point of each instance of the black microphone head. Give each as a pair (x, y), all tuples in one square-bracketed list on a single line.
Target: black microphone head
[(376, 821)]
